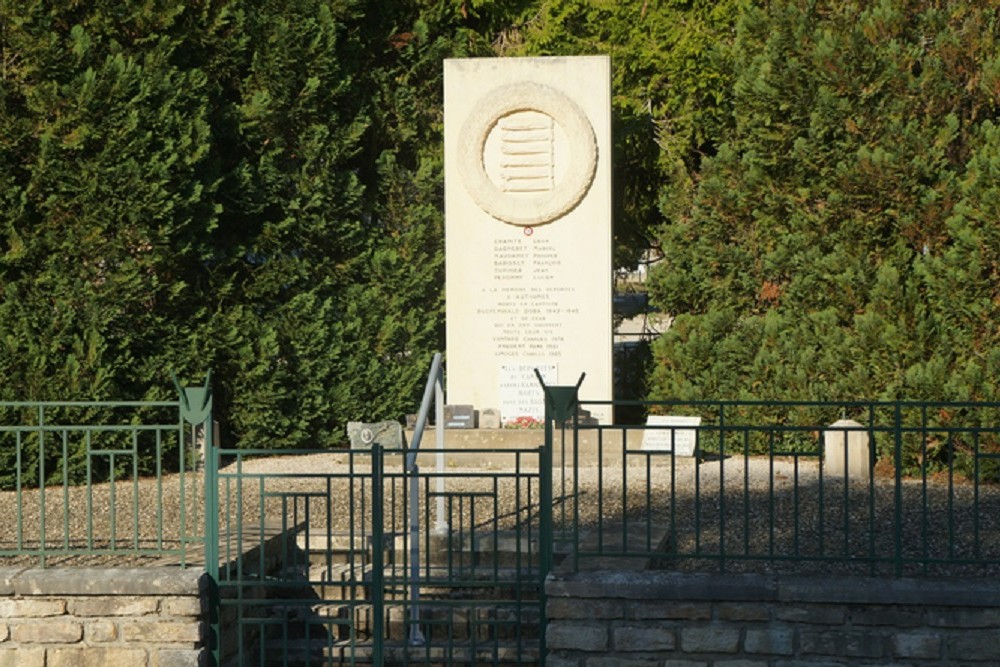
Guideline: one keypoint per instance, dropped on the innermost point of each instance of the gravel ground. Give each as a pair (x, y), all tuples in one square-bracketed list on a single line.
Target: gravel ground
[(764, 513)]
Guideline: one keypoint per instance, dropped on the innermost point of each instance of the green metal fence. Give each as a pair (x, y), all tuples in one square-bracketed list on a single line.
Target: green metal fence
[(317, 553), (760, 495), (99, 482), (315, 556)]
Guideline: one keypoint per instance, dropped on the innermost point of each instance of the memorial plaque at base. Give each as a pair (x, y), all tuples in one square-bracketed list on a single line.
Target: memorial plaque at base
[(520, 393), (459, 416), (677, 434)]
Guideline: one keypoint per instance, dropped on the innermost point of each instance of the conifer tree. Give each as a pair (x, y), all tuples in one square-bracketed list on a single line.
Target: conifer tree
[(290, 232), (838, 247), (670, 83), (104, 192)]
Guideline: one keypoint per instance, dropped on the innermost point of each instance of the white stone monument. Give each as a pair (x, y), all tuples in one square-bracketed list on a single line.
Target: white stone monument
[(527, 230)]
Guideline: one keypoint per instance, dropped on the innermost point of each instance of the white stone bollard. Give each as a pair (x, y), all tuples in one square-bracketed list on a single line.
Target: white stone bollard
[(847, 451)]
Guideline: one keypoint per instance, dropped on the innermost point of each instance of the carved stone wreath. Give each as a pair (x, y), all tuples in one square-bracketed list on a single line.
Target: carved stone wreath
[(569, 189)]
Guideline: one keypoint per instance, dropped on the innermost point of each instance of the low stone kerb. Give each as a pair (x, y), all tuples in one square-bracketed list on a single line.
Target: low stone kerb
[(108, 581)]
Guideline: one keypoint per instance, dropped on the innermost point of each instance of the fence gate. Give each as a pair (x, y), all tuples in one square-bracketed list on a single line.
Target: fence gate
[(349, 558)]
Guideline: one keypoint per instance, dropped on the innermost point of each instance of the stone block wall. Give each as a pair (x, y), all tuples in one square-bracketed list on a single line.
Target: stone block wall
[(102, 617), (660, 619)]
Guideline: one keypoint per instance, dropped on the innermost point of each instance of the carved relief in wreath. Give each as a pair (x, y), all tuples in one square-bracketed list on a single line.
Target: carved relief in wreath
[(527, 154)]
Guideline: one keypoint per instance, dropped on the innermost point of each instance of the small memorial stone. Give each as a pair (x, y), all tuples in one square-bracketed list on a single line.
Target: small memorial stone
[(489, 418), (671, 433), (459, 416), (583, 418), (389, 434)]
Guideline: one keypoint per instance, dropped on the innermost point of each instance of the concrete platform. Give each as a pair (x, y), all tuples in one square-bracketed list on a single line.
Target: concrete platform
[(604, 445)]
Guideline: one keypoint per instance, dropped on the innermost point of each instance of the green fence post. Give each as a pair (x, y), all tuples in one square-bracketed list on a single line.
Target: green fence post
[(560, 404), (196, 408)]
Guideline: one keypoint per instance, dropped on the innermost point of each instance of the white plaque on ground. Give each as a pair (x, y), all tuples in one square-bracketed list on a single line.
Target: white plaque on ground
[(520, 393), (673, 434), (527, 224)]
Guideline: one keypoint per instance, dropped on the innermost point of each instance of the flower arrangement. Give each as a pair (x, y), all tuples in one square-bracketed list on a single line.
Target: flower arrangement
[(524, 422)]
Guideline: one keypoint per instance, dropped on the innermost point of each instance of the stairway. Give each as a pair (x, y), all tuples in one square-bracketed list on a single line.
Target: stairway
[(478, 604)]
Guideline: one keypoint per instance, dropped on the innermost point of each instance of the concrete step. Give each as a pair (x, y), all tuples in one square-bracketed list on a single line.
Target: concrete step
[(303, 653), (482, 547), (439, 620), (340, 548), (602, 549)]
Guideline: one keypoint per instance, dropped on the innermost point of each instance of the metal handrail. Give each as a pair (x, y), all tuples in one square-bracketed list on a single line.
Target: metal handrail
[(433, 392), (434, 378)]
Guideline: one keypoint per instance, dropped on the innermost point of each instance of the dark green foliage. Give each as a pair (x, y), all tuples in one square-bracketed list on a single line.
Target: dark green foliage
[(255, 188), (103, 144), (843, 243), (670, 94), (290, 232), (242, 187)]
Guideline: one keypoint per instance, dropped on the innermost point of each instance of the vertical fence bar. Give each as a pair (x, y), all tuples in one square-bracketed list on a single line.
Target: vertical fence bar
[(20, 501), (951, 498), (975, 495), (113, 501), (561, 404), (697, 502), (898, 497), (41, 483), (182, 473), (924, 520), (746, 493), (65, 485), (872, 552), (90, 493), (196, 408), (441, 526), (416, 637), (378, 571), (135, 489), (159, 490), (771, 523), (722, 489), (211, 544), (545, 522), (821, 507)]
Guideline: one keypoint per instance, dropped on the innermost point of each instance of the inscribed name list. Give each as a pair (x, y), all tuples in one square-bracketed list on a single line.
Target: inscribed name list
[(520, 393)]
